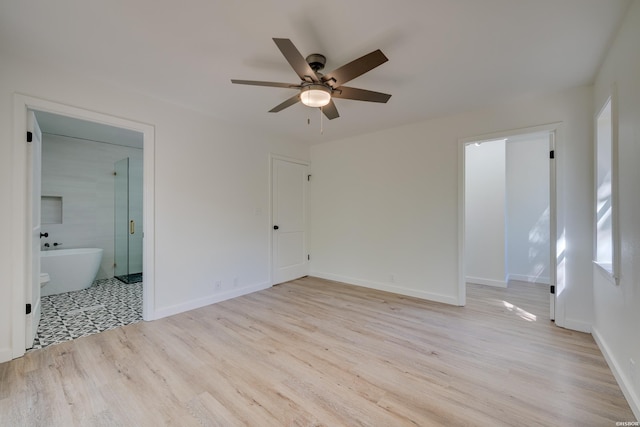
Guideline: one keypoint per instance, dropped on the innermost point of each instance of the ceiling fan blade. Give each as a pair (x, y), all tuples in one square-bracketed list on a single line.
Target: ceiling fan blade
[(330, 110), (355, 68), (270, 84), (288, 103), (295, 59), (345, 92)]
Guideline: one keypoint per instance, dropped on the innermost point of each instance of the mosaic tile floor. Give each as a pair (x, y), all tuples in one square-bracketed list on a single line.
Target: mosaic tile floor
[(107, 304)]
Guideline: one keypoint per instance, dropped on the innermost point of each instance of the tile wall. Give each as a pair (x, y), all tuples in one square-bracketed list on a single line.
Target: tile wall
[(80, 172)]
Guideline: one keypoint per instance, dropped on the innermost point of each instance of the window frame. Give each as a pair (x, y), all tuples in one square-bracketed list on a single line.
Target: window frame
[(611, 269)]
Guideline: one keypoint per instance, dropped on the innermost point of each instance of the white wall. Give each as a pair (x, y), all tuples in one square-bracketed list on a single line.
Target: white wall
[(485, 194), (386, 204), (616, 307), (527, 208), (211, 189), (382, 210), (81, 172)]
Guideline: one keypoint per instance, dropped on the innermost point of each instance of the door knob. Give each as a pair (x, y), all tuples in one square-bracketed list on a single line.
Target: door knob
[(275, 227)]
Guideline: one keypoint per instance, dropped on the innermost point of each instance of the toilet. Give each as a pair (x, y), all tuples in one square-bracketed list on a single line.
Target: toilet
[(44, 279)]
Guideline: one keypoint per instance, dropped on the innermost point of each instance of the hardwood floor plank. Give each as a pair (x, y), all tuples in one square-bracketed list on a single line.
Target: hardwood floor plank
[(314, 352)]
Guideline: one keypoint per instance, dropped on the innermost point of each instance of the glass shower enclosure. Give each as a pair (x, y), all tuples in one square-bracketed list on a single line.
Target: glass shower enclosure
[(128, 220)]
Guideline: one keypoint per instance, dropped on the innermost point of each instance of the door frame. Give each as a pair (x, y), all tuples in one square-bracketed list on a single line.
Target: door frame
[(21, 216), (554, 130), (272, 158)]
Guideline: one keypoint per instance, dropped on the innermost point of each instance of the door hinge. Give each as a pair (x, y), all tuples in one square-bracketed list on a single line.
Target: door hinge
[(29, 136), (553, 290), (308, 257), (308, 177), (28, 308), (552, 154)]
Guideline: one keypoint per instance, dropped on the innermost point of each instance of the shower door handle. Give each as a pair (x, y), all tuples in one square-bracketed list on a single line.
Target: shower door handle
[(132, 227)]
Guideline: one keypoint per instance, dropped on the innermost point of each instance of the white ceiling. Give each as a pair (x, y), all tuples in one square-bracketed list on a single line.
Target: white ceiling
[(445, 56)]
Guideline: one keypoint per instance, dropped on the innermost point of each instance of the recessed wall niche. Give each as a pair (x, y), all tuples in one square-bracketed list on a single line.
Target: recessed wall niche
[(51, 210)]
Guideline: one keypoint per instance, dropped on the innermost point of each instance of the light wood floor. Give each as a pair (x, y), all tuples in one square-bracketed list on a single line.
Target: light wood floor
[(314, 352)]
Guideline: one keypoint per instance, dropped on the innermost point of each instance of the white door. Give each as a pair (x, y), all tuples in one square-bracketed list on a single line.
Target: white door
[(289, 250), (35, 185)]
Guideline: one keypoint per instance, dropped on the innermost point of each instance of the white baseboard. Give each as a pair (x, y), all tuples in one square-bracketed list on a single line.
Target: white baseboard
[(576, 325), (208, 300), (488, 282), (623, 380), (5, 355), (530, 279), (446, 299)]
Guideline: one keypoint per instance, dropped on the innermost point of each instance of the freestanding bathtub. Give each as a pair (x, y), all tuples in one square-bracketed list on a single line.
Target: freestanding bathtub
[(69, 269)]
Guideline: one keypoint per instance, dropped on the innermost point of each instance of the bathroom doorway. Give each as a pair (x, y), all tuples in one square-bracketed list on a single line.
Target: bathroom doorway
[(23, 259), (84, 172)]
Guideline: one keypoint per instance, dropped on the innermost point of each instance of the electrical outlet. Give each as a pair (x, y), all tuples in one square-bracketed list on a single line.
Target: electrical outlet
[(218, 285), (392, 278), (235, 282)]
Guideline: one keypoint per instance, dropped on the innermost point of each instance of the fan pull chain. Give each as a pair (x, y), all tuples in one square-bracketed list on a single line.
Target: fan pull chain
[(321, 129)]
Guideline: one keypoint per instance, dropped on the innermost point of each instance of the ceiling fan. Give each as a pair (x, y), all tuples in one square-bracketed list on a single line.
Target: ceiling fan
[(317, 89)]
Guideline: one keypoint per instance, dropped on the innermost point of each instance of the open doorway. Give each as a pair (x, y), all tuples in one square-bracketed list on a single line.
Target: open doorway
[(91, 224), (85, 122), (508, 201)]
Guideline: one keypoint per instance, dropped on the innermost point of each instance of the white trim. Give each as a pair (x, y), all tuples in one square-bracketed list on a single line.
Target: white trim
[(553, 129), (487, 282), (287, 159), (576, 325), (212, 299), (531, 279), (623, 380), (553, 225), (20, 258), (613, 269), (400, 290), (550, 127), (6, 354), (462, 228), (606, 271)]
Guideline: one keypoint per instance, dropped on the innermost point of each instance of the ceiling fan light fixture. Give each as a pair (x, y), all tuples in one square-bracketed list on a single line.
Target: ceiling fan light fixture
[(315, 95)]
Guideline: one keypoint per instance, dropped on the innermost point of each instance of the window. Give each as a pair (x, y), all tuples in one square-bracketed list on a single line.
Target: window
[(605, 214)]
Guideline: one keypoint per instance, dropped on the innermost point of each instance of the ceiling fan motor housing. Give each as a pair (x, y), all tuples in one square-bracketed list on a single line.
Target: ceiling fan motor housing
[(316, 61)]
